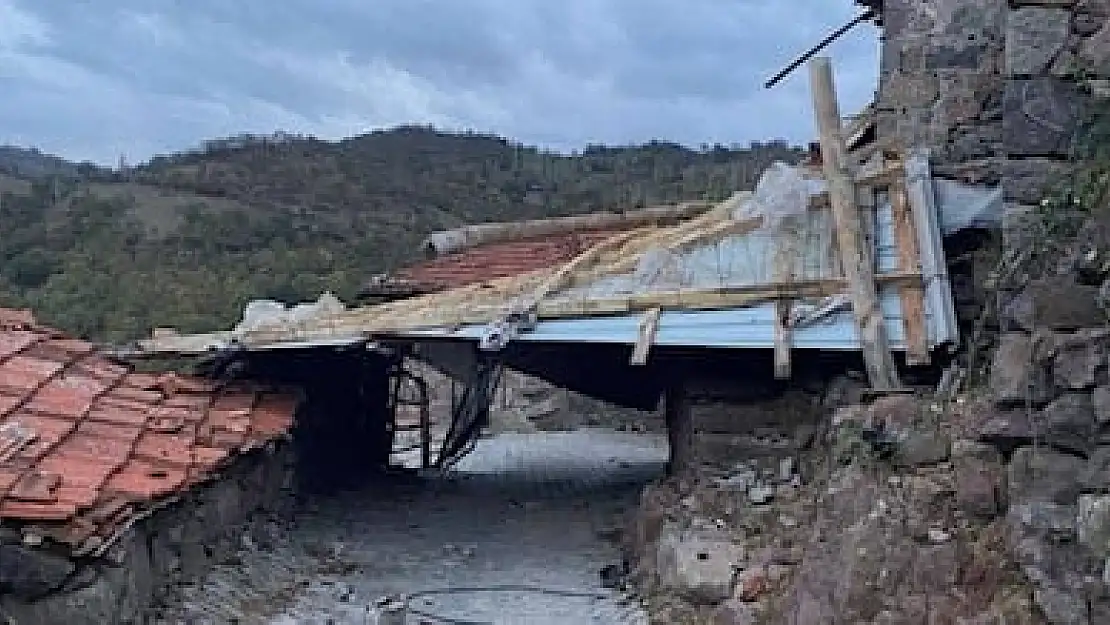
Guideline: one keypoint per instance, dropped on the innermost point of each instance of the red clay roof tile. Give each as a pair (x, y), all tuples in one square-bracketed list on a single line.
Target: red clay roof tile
[(501, 260), (85, 445)]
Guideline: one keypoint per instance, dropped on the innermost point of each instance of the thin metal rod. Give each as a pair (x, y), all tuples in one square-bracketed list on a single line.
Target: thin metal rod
[(837, 34)]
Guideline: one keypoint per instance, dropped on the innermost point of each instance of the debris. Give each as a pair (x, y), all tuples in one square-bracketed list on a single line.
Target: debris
[(760, 494)]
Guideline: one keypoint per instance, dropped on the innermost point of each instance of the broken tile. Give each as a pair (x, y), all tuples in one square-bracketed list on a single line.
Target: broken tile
[(117, 431), (137, 394), (208, 457), (145, 480), (8, 403), (29, 511), (24, 373), (36, 486), (174, 449), (234, 401), (111, 452), (11, 343), (118, 416)]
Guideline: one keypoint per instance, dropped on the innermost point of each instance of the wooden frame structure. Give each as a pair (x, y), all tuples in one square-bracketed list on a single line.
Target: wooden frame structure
[(855, 195)]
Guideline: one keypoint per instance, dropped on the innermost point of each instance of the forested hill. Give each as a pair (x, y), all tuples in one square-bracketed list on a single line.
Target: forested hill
[(185, 240)]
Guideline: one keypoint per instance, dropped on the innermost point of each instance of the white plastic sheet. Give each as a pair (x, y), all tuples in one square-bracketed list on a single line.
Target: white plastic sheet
[(790, 239), (264, 313), (782, 192)]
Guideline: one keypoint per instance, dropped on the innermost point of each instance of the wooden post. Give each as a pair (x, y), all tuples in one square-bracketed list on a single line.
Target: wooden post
[(912, 295), (680, 427), (786, 252), (645, 337), (855, 257)]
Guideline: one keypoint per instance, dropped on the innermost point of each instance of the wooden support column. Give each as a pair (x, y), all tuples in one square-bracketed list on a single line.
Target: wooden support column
[(786, 253), (680, 427), (645, 337), (856, 259), (912, 295), (782, 340)]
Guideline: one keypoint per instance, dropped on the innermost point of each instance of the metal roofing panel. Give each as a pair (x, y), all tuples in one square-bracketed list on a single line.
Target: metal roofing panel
[(749, 327)]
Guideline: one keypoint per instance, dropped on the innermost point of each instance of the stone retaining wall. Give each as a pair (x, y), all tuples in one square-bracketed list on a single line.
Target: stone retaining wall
[(177, 543), (995, 88), (1049, 417)]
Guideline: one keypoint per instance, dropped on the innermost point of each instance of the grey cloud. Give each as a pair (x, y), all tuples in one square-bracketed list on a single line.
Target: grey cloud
[(90, 79)]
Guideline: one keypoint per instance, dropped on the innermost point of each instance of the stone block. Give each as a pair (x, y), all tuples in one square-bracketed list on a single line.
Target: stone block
[(1079, 364), (957, 54), (1062, 606), (1034, 37), (1061, 303), (1044, 474), (1096, 9), (901, 90), (700, 567), (1014, 375), (1006, 429), (1069, 423), (937, 567), (975, 143), (1028, 180), (1096, 475), (1041, 518), (1100, 401), (1085, 24), (979, 479), (1040, 116), (921, 448), (1094, 52), (1093, 523), (29, 573)]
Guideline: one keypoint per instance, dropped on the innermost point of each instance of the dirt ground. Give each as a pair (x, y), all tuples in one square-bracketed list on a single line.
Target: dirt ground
[(532, 509)]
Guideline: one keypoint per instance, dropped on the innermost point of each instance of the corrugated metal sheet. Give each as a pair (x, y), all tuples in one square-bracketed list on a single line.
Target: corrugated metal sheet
[(738, 328)]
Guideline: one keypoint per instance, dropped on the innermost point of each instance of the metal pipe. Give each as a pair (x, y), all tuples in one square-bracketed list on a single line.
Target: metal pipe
[(837, 34)]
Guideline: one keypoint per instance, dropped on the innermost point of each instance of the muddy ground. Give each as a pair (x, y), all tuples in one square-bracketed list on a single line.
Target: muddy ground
[(524, 509)]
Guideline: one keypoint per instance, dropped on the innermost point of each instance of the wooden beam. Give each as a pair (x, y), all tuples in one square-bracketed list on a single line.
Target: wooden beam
[(645, 337), (912, 295), (856, 259), (466, 237), (361, 323), (703, 299), (783, 271), (680, 427), (782, 340)]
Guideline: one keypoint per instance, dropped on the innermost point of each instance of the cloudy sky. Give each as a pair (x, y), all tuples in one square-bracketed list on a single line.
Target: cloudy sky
[(91, 79)]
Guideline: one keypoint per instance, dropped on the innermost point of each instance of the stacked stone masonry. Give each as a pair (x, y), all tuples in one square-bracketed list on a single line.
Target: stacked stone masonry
[(994, 88), (1048, 419)]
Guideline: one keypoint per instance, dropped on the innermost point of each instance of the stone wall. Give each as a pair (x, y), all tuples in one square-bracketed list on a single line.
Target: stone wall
[(758, 425), (941, 80), (177, 543), (1048, 415), (993, 87)]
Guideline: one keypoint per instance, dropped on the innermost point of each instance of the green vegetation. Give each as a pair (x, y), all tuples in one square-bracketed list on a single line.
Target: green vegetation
[(186, 240)]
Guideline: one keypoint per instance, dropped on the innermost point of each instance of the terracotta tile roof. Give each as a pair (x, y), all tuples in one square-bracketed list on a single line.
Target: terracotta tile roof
[(501, 260), (86, 444)]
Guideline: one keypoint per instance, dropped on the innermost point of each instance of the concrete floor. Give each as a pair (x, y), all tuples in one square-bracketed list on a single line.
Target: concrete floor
[(523, 509)]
